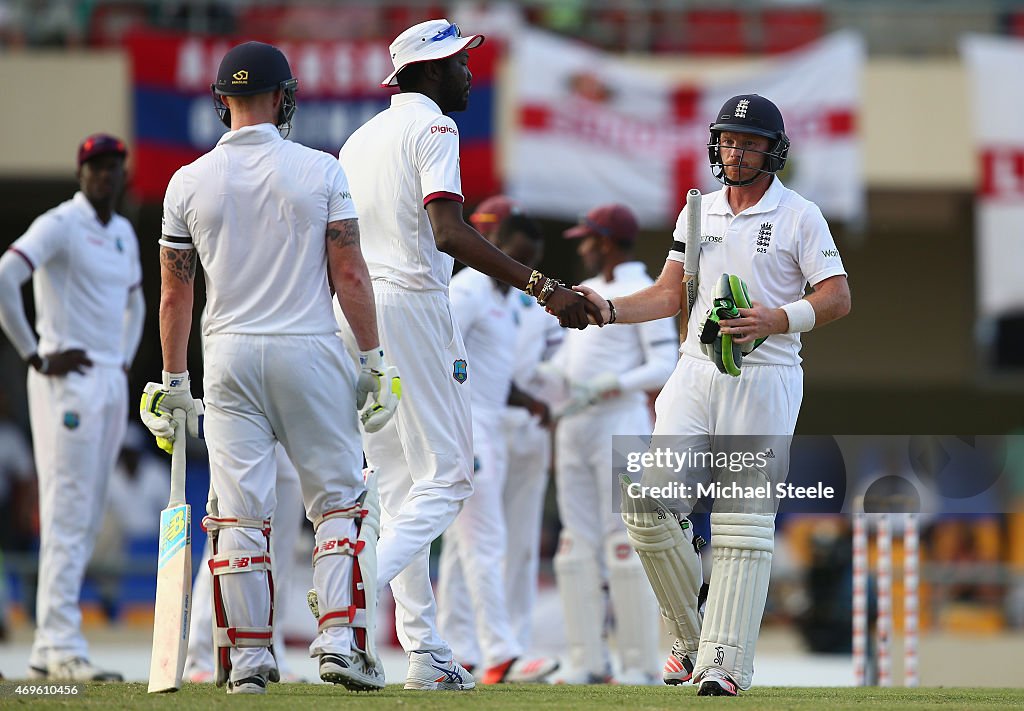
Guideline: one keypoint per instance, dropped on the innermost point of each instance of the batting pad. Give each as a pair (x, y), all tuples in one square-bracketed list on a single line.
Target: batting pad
[(742, 546), (579, 586), (665, 548), (636, 608), (346, 590)]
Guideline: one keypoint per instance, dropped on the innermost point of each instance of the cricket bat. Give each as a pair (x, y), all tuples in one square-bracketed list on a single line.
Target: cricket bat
[(173, 577), (692, 251)]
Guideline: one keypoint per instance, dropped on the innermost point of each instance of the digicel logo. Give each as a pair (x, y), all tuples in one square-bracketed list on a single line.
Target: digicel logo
[(443, 129)]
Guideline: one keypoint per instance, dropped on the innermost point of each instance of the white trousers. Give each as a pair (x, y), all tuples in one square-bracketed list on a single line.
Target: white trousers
[(583, 469), (526, 484), (705, 410), (286, 526), (473, 613), (299, 391), (78, 424), (423, 456), (702, 409)]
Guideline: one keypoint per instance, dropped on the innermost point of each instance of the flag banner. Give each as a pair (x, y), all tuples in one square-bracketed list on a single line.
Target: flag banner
[(590, 128), (339, 90), (997, 102)]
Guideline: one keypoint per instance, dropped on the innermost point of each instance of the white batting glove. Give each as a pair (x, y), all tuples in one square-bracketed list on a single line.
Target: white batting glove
[(602, 387), (588, 393), (160, 400), (383, 383)]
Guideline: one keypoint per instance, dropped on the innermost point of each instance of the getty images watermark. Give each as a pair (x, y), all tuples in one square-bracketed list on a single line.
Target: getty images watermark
[(824, 474), (671, 460)]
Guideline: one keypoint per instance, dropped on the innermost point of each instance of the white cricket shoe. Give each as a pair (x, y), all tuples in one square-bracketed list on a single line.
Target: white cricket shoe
[(678, 667), (75, 669), (428, 673), (255, 684), (520, 671), (352, 672)]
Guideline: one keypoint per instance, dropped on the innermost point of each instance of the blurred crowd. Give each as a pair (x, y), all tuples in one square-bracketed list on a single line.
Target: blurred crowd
[(735, 27)]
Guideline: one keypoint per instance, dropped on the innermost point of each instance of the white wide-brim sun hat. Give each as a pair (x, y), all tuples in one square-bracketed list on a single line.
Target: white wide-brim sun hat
[(425, 42)]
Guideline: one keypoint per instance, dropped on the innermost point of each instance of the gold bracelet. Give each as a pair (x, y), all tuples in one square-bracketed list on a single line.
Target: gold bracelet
[(532, 284), (549, 288)]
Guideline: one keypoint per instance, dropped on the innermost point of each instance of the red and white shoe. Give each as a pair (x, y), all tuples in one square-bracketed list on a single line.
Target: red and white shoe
[(521, 671), (716, 683), (678, 667)]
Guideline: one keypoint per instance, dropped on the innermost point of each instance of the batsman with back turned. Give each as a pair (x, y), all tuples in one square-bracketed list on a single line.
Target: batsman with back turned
[(739, 379), (272, 223)]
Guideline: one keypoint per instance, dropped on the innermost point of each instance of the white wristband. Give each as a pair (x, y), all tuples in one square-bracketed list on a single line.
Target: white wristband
[(176, 381), (801, 316), (372, 358)]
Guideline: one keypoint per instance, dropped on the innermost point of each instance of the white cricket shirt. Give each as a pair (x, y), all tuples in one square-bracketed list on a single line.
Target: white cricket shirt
[(488, 327), (397, 162), (539, 337), (256, 209), (83, 271), (777, 247), (641, 355)]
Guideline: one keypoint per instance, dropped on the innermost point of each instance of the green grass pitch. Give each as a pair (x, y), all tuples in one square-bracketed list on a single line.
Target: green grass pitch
[(289, 697)]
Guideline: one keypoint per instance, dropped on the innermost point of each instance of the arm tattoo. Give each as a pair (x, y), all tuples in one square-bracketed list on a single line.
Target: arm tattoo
[(180, 262), (343, 233)]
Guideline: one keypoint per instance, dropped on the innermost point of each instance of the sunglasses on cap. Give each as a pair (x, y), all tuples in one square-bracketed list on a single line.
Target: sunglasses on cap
[(451, 31)]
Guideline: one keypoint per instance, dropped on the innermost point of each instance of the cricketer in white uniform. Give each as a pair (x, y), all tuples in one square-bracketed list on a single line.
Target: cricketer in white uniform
[(476, 544), (609, 372), (403, 168), (777, 242), (526, 432), (84, 262), (271, 221)]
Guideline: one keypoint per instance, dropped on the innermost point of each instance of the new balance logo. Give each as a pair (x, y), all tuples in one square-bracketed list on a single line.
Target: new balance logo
[(830, 253)]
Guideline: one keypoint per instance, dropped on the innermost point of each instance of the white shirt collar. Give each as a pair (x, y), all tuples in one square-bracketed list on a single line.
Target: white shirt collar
[(251, 135), (625, 270), (768, 202), (83, 204), (412, 97)]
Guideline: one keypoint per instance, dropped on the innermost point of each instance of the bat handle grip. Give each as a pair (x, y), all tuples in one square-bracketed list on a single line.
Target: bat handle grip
[(178, 458)]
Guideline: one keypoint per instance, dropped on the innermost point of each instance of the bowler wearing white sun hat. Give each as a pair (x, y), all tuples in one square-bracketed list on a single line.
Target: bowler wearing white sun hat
[(425, 42), (404, 175)]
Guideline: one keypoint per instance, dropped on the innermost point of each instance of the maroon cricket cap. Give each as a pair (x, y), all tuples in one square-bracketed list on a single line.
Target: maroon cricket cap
[(98, 144), (614, 221), (493, 211)]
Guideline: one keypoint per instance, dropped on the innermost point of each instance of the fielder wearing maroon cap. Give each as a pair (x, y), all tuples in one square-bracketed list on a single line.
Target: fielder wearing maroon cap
[(100, 144), (492, 212), (616, 222)]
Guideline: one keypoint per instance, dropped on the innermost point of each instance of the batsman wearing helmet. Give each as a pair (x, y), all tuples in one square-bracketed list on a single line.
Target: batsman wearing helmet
[(760, 245), (273, 225)]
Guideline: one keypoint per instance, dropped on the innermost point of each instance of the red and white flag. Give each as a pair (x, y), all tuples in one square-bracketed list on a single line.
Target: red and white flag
[(590, 128), (997, 100)]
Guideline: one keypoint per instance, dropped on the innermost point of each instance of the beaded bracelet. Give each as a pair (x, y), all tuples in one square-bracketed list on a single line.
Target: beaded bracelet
[(532, 284)]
